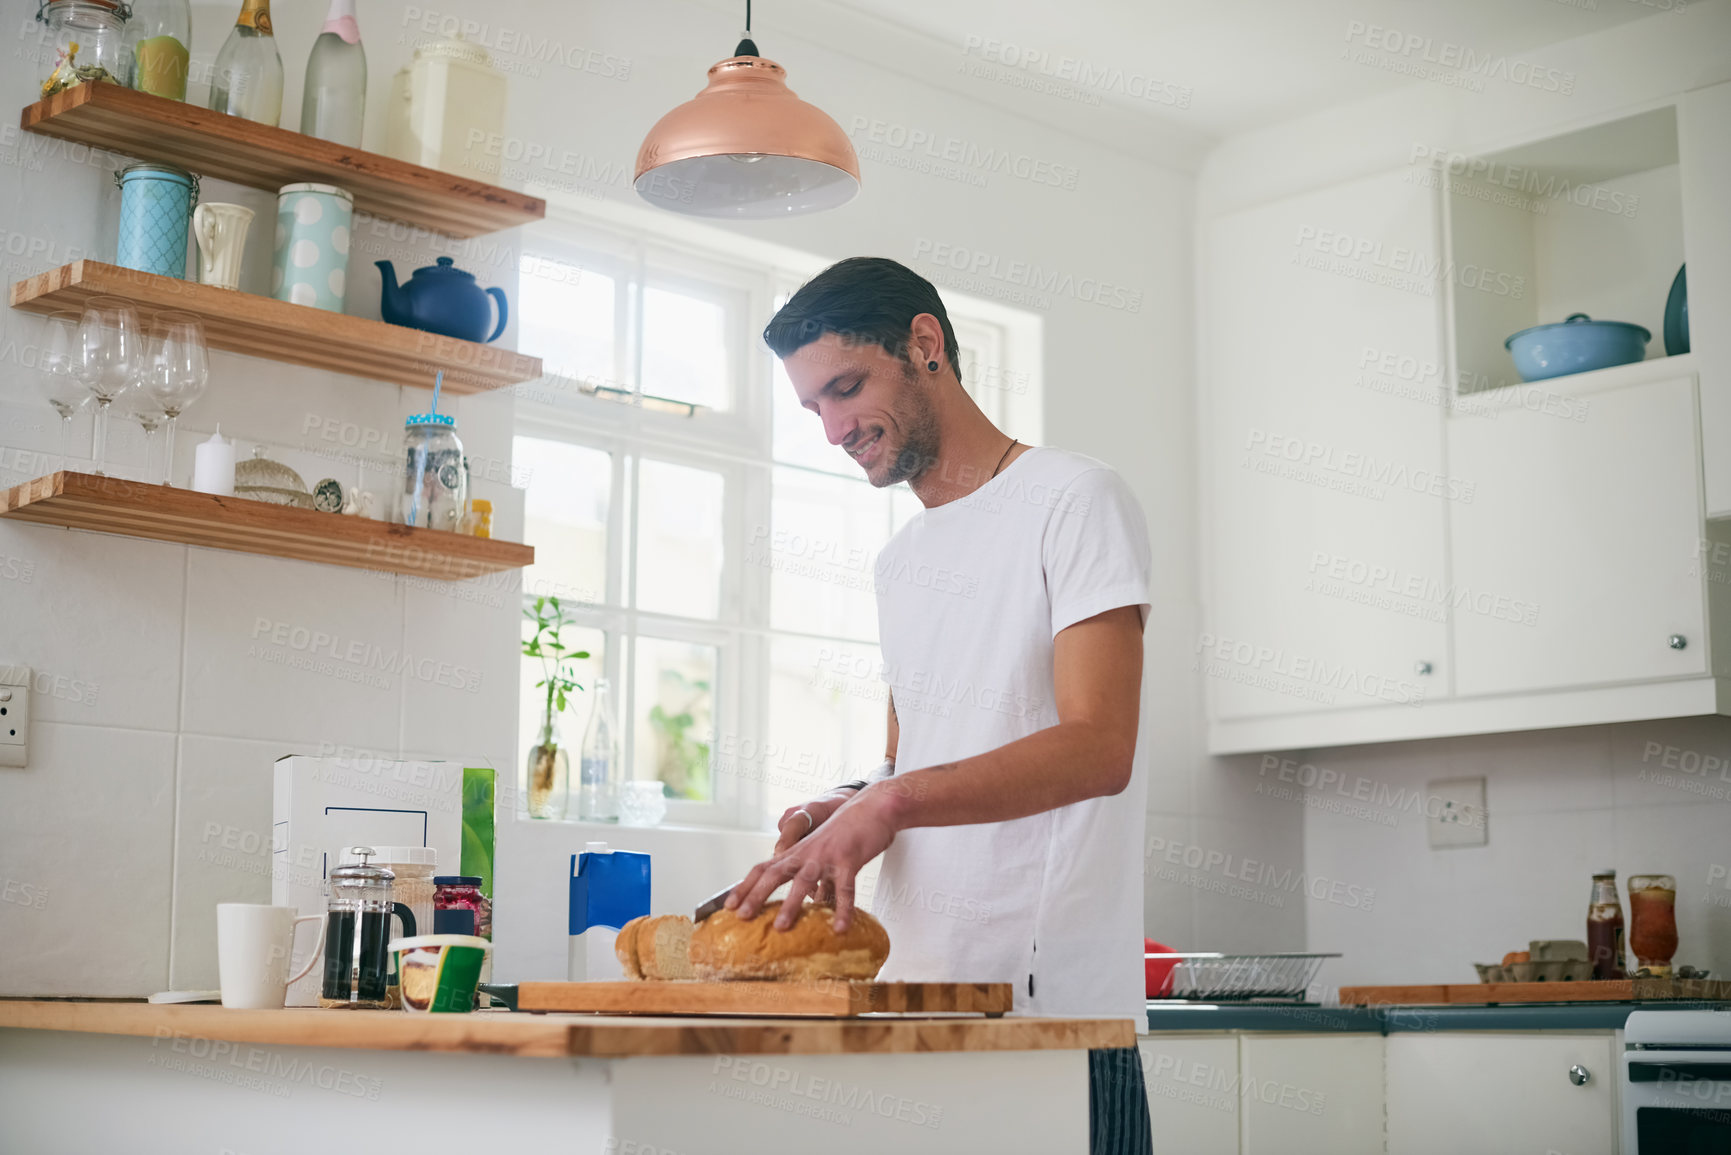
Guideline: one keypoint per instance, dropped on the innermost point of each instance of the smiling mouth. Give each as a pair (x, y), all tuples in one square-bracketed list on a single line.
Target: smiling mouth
[(860, 453)]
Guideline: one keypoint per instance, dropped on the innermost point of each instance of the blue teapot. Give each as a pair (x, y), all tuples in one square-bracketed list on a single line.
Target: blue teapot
[(439, 299)]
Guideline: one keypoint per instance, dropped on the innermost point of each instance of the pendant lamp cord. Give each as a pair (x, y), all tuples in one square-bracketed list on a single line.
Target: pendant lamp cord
[(747, 46)]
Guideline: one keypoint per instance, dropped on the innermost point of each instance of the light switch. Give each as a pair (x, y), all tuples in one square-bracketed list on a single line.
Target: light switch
[(14, 715), (1455, 812)]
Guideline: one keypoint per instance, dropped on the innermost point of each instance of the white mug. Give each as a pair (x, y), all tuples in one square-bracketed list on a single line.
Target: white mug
[(221, 233), (253, 945)]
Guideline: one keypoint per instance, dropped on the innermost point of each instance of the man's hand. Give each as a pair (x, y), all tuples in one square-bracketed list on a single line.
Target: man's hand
[(853, 834), (793, 825)]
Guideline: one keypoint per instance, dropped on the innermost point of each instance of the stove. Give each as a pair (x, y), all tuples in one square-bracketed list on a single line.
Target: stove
[(1677, 1082)]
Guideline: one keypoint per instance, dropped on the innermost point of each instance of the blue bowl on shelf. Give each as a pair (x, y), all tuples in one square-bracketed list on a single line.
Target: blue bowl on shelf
[(1577, 345)]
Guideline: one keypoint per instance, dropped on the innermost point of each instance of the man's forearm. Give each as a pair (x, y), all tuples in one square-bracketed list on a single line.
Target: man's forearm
[(1057, 766)]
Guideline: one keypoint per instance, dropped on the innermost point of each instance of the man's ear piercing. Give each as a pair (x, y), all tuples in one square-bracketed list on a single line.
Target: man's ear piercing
[(931, 366)]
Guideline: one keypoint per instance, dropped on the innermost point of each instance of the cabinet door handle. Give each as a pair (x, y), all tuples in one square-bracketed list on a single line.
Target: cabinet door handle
[(1677, 641), (1578, 1075)]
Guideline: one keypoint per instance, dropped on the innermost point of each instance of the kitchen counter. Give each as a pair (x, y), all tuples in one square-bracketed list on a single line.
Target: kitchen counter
[(558, 1036), (144, 1078), (1389, 1020)]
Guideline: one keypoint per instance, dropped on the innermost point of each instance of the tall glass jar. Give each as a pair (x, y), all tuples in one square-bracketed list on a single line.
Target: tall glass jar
[(435, 491), (158, 40), (88, 42)]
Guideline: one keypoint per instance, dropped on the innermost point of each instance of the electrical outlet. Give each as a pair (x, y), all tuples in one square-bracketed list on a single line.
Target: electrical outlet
[(1456, 813), (14, 715)]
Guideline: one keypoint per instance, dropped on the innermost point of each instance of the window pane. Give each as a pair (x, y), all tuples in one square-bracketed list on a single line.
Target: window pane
[(828, 707), (532, 699), (685, 348), (565, 317), (674, 726), (565, 517), (821, 548), (679, 550), (799, 436)]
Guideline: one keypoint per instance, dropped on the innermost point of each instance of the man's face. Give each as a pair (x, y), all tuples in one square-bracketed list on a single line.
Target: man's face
[(872, 404)]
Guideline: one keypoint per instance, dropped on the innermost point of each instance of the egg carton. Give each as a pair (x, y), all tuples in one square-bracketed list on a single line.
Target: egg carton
[(1549, 971)]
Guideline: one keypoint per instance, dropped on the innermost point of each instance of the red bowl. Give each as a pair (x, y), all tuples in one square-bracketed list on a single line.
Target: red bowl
[(1159, 970)]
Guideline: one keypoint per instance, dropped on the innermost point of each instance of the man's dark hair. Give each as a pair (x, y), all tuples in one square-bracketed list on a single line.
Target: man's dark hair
[(861, 300)]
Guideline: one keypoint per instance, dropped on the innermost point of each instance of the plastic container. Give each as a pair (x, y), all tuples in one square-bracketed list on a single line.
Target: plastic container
[(415, 867), (87, 44), (435, 489), (155, 213), (440, 972)]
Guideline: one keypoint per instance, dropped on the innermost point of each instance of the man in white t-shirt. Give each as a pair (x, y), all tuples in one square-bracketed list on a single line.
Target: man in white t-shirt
[(1009, 807)]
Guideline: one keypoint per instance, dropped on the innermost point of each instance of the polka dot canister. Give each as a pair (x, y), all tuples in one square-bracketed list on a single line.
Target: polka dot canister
[(311, 262)]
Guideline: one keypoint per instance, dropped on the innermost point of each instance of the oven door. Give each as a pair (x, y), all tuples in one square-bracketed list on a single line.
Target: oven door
[(1676, 1102)]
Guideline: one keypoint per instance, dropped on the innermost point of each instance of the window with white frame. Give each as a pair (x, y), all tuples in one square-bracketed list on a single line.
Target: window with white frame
[(712, 552)]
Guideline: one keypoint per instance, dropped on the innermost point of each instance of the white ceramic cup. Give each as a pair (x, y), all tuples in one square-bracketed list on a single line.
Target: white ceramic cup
[(221, 233), (253, 945)]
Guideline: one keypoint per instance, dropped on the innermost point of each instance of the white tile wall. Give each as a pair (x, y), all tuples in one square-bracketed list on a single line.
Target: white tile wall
[(1562, 803)]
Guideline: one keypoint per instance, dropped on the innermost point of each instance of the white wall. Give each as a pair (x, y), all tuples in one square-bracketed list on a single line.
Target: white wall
[(1562, 802), (137, 793)]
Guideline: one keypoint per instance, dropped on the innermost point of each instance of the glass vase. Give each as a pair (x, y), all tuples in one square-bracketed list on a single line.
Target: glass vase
[(549, 773)]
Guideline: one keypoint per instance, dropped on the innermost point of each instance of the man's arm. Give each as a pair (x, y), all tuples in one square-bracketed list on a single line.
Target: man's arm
[(1097, 677)]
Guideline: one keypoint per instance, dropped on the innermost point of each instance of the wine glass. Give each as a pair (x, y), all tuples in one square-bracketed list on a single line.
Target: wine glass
[(178, 372), (110, 361), (139, 405), (58, 379)]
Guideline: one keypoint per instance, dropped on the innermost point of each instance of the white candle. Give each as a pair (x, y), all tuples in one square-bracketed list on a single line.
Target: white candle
[(213, 466)]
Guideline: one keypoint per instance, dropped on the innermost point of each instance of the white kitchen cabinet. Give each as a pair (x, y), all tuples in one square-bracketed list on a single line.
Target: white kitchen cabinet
[(1323, 443), (1192, 1085), (1578, 561), (1704, 150), (1487, 1091), (1311, 1094)]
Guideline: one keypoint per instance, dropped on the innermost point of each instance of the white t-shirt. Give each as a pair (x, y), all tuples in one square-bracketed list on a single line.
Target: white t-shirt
[(971, 595)]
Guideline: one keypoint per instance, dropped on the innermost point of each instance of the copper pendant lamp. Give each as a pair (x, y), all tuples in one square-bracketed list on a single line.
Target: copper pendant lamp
[(747, 148)]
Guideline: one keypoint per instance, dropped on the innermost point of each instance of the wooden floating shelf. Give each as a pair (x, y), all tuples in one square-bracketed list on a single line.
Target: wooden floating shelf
[(134, 509), (294, 334), (261, 156), (1605, 990)]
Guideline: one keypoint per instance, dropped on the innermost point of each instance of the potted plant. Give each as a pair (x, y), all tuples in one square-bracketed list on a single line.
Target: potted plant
[(549, 765)]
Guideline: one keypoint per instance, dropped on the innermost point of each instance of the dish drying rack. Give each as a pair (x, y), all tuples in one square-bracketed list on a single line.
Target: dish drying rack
[(1206, 976)]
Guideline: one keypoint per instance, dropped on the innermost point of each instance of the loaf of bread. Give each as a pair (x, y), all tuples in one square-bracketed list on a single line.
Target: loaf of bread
[(655, 946), (725, 946)]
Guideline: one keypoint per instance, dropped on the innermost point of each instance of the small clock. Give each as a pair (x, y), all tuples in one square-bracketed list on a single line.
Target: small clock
[(328, 496)]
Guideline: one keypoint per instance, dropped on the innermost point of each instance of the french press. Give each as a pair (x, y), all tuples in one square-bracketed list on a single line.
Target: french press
[(357, 929)]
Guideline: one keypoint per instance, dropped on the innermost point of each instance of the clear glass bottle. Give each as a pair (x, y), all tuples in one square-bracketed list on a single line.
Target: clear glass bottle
[(333, 101), (1605, 928), (247, 80), (87, 42), (435, 491), (158, 40), (601, 769)]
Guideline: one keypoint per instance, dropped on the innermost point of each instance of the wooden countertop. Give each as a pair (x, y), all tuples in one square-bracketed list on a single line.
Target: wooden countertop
[(558, 1036)]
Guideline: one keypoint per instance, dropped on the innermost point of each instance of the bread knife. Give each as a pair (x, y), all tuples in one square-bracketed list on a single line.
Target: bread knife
[(713, 903)]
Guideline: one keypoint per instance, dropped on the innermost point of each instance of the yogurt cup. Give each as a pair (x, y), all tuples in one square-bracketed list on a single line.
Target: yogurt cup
[(439, 972)]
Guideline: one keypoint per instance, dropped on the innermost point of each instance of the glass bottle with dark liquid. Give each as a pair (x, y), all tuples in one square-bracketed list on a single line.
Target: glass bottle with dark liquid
[(357, 931), (1605, 928)]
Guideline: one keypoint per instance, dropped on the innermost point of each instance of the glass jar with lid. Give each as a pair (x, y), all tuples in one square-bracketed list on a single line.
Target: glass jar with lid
[(158, 35), (435, 491), (86, 43)]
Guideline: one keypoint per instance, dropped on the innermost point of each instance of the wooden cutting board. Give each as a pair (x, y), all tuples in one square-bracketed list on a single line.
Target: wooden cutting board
[(1610, 990), (834, 999)]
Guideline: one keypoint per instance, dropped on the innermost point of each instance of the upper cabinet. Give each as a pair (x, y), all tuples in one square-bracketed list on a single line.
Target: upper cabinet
[(1326, 477), (1405, 540)]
